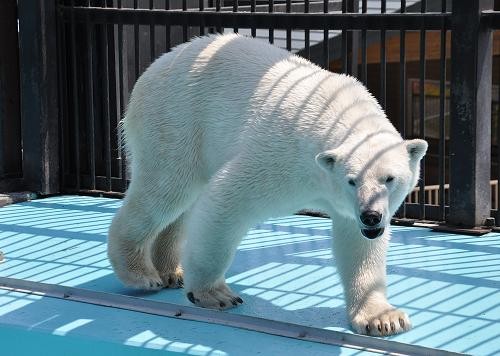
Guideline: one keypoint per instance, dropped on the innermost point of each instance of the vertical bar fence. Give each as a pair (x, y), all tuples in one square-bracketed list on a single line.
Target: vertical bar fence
[(429, 63)]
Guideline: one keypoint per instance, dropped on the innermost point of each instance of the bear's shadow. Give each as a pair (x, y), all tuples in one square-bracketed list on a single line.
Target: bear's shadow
[(277, 282)]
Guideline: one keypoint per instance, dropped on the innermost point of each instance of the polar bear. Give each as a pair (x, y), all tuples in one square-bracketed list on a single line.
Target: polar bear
[(226, 131)]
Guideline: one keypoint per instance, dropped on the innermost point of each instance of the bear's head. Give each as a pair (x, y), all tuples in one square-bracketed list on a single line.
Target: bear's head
[(368, 179)]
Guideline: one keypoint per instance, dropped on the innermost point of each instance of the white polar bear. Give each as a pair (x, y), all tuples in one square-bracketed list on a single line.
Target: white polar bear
[(226, 131)]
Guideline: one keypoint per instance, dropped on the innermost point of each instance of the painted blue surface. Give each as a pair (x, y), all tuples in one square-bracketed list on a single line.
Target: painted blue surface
[(449, 284), (22, 342)]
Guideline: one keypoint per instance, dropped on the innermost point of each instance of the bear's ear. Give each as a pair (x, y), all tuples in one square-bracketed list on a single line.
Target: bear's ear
[(416, 149), (326, 160)]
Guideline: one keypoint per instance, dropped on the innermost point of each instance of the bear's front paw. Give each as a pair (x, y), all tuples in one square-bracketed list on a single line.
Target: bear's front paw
[(220, 297), (382, 323)]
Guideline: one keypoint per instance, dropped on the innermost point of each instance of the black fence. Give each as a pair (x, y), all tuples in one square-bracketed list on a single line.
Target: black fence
[(10, 118), (430, 64)]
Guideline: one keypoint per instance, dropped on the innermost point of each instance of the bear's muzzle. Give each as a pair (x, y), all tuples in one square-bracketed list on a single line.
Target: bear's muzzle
[(372, 233)]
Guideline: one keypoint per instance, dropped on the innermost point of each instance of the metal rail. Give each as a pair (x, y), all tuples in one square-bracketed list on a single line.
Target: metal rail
[(273, 327), (352, 21)]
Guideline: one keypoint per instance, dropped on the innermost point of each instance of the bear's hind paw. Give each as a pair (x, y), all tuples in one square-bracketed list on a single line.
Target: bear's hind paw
[(141, 279), (173, 279), (389, 322), (143, 282), (220, 298)]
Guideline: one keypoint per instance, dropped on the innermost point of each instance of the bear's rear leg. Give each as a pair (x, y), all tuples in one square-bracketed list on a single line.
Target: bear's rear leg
[(147, 223), (130, 241), (166, 254)]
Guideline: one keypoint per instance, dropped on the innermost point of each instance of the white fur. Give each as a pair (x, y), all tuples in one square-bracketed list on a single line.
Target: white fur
[(226, 131)]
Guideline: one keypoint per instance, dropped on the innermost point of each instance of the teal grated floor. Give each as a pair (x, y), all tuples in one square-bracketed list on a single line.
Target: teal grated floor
[(449, 285)]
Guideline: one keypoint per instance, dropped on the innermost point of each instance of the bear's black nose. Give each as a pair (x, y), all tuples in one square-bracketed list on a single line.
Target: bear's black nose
[(371, 218)]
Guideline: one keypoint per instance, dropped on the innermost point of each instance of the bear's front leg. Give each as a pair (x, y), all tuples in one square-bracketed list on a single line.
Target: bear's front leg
[(362, 267), (213, 236), (220, 218)]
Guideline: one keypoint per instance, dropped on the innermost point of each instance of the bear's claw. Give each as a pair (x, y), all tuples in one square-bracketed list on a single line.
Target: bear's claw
[(389, 322), (150, 282), (192, 299), (215, 298), (173, 280)]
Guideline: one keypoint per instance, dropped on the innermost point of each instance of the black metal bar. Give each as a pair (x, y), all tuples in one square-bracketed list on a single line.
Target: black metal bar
[(105, 100), (271, 28), (114, 102), (317, 21), (121, 152), (307, 33), (184, 26), (470, 124), (90, 101), (217, 10), (235, 9), (497, 173), (326, 31), (402, 90), (442, 122), (343, 50), (210, 5), (10, 116), (136, 42), (349, 41), (352, 41), (288, 9), (152, 41), (421, 106), (63, 101), (168, 43), (491, 19), (201, 4), (402, 76), (364, 66), (75, 100), (253, 4), (383, 59), (39, 99)]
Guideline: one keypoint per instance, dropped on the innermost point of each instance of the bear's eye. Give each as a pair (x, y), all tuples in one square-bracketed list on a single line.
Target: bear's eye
[(352, 182), (389, 179)]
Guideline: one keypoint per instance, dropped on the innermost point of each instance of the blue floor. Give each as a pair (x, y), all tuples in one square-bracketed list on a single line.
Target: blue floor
[(449, 285)]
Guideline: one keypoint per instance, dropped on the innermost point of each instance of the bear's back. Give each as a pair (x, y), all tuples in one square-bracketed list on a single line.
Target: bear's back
[(225, 93)]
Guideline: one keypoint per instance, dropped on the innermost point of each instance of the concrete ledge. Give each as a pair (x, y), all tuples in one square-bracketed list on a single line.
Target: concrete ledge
[(17, 197)]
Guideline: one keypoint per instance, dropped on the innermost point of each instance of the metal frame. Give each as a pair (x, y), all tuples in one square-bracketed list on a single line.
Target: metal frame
[(317, 21), (470, 146)]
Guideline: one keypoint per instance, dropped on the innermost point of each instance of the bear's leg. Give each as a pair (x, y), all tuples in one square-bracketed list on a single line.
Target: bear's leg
[(166, 254), (362, 268), (233, 202), (147, 213), (130, 238)]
